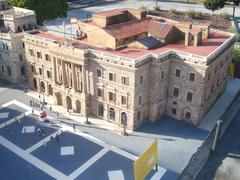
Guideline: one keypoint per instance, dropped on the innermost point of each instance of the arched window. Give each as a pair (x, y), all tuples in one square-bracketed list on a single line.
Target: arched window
[(123, 118), (9, 71), (100, 110), (112, 114)]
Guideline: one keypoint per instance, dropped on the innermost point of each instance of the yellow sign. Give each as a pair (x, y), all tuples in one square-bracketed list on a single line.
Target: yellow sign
[(231, 69), (145, 163)]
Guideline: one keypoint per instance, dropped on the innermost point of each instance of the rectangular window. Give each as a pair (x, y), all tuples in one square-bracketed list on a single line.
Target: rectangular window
[(189, 96), (162, 75), (46, 57), (174, 111), (141, 79), (139, 100), (39, 55), (23, 45), (99, 73), (20, 57), (31, 52), (40, 71), (1, 57), (111, 77), (123, 100), (175, 92), (209, 76), (178, 73), (191, 77), (111, 96), (100, 92), (32, 68), (48, 74), (124, 80)]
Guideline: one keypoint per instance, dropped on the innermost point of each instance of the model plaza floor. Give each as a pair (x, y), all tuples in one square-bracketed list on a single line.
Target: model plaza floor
[(71, 155)]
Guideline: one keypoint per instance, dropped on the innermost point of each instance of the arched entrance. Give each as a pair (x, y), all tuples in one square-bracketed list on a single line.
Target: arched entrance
[(100, 110), (112, 114), (69, 102), (42, 87), (123, 118), (35, 84), (50, 90), (59, 98), (78, 106)]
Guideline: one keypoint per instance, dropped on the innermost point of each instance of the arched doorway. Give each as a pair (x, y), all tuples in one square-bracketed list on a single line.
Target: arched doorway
[(59, 98), (42, 87), (123, 118), (100, 110), (112, 114), (69, 102), (50, 90), (35, 84), (78, 106)]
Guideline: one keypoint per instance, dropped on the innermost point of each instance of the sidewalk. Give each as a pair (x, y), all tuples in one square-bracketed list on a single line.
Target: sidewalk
[(221, 105)]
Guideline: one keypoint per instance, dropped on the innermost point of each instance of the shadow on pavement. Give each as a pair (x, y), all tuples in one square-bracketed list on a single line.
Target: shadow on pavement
[(172, 127), (228, 146)]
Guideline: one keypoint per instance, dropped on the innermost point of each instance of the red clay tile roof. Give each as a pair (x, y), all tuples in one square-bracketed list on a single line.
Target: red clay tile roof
[(47, 35), (160, 30), (110, 13), (129, 29)]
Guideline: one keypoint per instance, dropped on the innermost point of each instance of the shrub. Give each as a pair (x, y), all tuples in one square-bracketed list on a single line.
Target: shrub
[(172, 11), (199, 13), (156, 8), (190, 14), (143, 8), (232, 29), (225, 16), (236, 55)]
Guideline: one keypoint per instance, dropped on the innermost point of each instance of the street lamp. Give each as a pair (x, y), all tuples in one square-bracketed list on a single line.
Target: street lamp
[(124, 121)]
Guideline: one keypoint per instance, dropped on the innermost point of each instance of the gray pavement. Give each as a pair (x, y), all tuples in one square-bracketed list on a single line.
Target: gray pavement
[(177, 141), (222, 165)]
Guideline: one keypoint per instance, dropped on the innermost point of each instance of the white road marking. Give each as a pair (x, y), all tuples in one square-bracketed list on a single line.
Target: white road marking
[(4, 115), (87, 164), (14, 119), (33, 160), (113, 175), (67, 150), (40, 143)]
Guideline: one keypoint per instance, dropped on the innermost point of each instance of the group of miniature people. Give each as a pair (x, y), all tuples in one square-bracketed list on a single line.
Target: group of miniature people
[(40, 131)]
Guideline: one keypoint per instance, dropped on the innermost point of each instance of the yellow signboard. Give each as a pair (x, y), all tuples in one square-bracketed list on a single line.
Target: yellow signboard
[(231, 69), (145, 163)]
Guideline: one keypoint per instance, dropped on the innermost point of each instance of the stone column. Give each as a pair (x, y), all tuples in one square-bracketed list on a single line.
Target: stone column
[(73, 77)]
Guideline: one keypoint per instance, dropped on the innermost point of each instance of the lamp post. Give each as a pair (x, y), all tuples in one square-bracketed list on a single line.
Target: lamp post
[(124, 121)]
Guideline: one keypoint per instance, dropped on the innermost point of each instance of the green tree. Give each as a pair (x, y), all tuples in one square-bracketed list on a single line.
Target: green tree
[(214, 4), (44, 9)]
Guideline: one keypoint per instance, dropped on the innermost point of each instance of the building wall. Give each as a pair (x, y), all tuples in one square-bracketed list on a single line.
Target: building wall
[(147, 87)]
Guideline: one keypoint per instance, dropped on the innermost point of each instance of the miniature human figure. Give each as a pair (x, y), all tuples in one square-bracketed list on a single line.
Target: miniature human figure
[(30, 102), (19, 121), (51, 138), (68, 109), (25, 130), (29, 142), (39, 131), (32, 111), (50, 108), (74, 127), (57, 138), (42, 132)]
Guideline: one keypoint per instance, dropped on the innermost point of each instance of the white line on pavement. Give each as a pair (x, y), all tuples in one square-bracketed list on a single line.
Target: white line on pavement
[(33, 160), (41, 143), (14, 119), (7, 104), (87, 164)]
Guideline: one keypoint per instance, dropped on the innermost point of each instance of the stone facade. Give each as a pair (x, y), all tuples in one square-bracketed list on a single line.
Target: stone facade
[(115, 87), (13, 22)]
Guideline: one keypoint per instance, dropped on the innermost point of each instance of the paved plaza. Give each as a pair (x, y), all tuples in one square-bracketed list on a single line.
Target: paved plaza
[(47, 150)]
